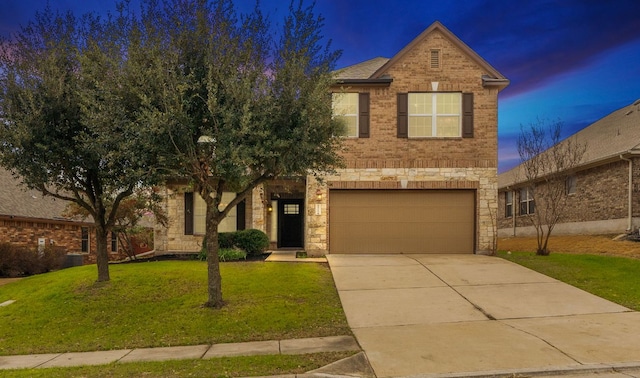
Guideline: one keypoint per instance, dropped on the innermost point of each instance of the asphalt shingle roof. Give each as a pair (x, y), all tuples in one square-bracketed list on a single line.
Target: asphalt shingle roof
[(16, 200), (616, 134), (362, 70)]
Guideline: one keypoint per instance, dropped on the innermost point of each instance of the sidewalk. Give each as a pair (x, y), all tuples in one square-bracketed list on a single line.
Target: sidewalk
[(291, 346)]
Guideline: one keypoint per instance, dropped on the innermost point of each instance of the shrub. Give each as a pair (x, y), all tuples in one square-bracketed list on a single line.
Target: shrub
[(252, 241), (224, 254), (22, 261), (226, 239), (230, 254)]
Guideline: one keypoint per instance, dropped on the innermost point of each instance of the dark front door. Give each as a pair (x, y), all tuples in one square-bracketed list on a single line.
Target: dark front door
[(290, 223)]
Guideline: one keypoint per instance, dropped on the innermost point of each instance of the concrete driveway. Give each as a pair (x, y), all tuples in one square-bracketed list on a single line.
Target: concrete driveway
[(464, 315)]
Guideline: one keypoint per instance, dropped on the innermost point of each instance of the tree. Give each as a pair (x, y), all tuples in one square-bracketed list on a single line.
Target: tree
[(547, 165), (143, 203), (71, 127), (239, 106)]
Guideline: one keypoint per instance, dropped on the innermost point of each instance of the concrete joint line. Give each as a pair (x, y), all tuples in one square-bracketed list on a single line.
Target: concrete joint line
[(49, 360), (128, 353), (544, 341), (206, 351), (477, 307)]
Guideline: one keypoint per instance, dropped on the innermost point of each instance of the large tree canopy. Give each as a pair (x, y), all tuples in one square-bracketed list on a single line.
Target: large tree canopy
[(241, 102), (71, 125)]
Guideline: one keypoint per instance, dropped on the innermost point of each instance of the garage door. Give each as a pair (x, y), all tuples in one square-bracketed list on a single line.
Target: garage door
[(401, 221)]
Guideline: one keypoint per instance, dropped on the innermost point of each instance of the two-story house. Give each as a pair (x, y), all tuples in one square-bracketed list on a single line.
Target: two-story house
[(421, 164)]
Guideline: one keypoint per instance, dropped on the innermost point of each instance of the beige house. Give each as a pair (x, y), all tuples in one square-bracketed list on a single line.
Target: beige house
[(421, 164), (602, 193)]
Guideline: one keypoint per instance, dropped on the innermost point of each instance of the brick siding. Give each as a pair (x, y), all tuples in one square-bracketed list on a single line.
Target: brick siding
[(601, 194)]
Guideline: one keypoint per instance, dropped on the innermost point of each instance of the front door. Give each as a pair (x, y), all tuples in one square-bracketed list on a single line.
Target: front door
[(290, 223)]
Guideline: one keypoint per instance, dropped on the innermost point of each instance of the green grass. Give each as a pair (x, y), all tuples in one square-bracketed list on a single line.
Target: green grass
[(157, 304), (218, 367), (614, 278)]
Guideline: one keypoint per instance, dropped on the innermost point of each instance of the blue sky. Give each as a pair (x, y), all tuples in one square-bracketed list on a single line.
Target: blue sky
[(569, 60)]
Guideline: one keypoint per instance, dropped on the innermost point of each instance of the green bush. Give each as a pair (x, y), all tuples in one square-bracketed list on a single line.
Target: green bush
[(18, 261), (226, 239), (224, 254), (252, 241), (230, 254)]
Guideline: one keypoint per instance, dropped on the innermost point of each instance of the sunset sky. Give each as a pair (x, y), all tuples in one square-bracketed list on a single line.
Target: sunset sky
[(572, 60)]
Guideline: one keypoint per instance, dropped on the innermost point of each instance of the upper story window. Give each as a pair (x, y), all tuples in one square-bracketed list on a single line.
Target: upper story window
[(345, 106), (508, 204), (353, 108), (527, 204), (435, 115)]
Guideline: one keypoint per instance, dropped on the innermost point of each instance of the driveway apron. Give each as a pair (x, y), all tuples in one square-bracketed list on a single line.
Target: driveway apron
[(430, 315)]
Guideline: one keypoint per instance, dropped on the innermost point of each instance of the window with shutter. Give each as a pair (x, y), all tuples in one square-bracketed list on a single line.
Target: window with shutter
[(345, 107), (434, 114)]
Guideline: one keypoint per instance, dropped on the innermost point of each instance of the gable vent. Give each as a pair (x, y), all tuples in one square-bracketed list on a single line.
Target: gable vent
[(435, 59)]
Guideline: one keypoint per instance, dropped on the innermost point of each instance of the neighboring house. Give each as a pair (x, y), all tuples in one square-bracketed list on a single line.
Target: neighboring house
[(421, 164), (603, 192), (29, 219)]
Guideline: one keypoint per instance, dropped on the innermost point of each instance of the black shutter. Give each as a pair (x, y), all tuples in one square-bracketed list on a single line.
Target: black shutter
[(467, 115), (188, 213), (403, 115), (363, 116), (241, 216)]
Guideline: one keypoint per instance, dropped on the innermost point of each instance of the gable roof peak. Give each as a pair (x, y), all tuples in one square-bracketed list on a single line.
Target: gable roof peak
[(494, 75)]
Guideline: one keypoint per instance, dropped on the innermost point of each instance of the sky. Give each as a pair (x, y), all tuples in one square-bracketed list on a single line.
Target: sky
[(573, 61)]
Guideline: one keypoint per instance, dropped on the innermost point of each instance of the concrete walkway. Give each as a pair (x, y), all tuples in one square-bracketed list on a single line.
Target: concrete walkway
[(293, 346), (470, 315)]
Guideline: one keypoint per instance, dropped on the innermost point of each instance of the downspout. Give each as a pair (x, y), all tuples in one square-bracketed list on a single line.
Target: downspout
[(630, 204)]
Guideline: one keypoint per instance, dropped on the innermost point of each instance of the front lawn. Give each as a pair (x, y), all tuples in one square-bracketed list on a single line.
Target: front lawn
[(614, 278), (155, 304)]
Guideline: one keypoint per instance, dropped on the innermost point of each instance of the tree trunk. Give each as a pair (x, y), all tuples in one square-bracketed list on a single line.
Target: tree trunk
[(214, 279), (102, 254)]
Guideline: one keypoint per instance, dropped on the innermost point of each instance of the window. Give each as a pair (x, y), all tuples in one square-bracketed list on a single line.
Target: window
[(291, 209), (508, 204), (571, 185), (435, 115), (527, 205), (228, 224), (345, 107), (114, 241), (84, 239)]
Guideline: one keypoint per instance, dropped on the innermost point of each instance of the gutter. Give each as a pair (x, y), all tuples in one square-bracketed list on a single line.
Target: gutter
[(385, 82), (630, 199)]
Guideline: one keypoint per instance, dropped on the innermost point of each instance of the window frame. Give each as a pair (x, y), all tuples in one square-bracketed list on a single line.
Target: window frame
[(434, 115), (571, 185), (356, 115), (508, 204), (527, 203), (85, 240), (114, 242), (228, 224)]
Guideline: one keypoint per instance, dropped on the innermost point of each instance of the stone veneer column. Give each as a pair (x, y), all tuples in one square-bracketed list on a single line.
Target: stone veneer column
[(316, 218), (258, 219)]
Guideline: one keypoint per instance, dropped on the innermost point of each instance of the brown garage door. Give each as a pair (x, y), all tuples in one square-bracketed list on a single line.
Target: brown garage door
[(401, 221)]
